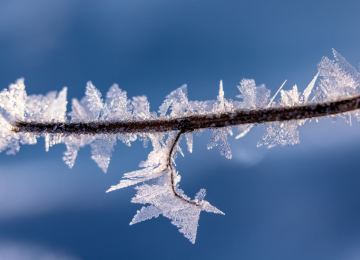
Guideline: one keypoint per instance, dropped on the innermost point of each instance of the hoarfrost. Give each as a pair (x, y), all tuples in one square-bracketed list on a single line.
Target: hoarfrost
[(280, 134), (93, 101), (101, 150), (221, 134), (189, 141), (117, 106), (157, 179), (253, 97), (183, 214), (178, 102), (141, 108)]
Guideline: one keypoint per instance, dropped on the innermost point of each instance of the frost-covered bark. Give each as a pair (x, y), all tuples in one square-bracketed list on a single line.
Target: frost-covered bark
[(334, 92)]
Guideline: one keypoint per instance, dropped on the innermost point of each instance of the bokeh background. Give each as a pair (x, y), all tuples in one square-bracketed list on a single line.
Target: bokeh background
[(300, 202)]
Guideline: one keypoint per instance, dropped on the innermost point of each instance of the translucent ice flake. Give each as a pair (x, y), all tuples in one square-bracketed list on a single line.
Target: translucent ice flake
[(309, 89), (243, 130), (37, 105), (13, 101), (222, 105), (159, 156), (334, 81), (138, 176), (101, 150), (117, 106), (338, 79), (160, 188), (290, 97), (200, 195), (51, 140), (253, 97), (78, 112), (8, 139), (277, 92), (127, 138), (189, 141), (70, 155), (73, 144), (57, 108), (183, 214), (346, 67), (146, 213), (154, 166), (280, 133), (177, 102), (221, 134), (141, 108), (51, 107), (93, 100)]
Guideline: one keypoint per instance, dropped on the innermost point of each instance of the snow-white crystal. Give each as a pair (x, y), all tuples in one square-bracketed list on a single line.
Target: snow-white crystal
[(158, 180)]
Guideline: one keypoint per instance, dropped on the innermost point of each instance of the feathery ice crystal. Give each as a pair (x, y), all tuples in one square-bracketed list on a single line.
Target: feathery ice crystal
[(101, 124)]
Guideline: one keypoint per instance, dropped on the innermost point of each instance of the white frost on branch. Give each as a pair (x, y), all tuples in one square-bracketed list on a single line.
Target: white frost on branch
[(183, 214), (158, 180)]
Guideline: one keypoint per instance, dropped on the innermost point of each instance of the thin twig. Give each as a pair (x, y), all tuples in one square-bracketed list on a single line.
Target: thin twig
[(194, 122), (171, 153)]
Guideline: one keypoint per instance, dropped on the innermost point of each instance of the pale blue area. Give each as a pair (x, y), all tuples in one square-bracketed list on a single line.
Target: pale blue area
[(298, 202)]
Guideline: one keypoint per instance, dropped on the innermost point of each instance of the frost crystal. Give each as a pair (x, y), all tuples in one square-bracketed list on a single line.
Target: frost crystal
[(189, 141), (183, 214), (253, 97), (101, 150), (117, 106), (280, 134), (221, 134), (141, 108), (157, 180), (93, 101), (178, 103)]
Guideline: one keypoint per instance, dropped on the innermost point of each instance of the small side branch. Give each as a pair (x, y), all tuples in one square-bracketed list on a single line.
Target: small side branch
[(194, 122), (172, 171)]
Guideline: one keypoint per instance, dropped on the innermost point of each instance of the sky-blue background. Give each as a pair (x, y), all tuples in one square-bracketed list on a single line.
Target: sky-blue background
[(299, 202)]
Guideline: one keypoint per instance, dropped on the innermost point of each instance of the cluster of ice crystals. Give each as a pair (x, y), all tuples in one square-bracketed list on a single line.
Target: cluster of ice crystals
[(154, 166), (93, 101), (184, 215), (117, 106), (101, 150), (91, 108), (158, 180), (156, 189), (253, 96), (280, 133), (338, 79), (222, 105), (177, 102), (221, 134), (16, 105), (13, 101)]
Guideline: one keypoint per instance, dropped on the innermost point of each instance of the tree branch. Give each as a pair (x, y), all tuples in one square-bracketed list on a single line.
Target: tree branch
[(194, 122)]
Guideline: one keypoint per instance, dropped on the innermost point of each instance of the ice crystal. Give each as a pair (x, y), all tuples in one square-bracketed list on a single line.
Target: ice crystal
[(177, 102), (117, 106), (157, 180), (280, 134), (189, 141), (101, 150), (93, 101), (253, 97), (183, 214)]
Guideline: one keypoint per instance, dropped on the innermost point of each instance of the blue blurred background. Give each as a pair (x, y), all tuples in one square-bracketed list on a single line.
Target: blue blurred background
[(299, 202)]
